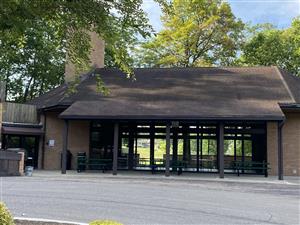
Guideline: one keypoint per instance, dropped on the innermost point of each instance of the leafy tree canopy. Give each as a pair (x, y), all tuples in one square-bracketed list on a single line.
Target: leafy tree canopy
[(34, 36), (273, 46), (195, 33)]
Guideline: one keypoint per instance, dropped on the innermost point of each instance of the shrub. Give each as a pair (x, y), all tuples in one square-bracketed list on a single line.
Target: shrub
[(5, 216), (105, 222)]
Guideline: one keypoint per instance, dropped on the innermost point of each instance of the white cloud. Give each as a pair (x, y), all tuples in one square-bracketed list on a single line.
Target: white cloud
[(279, 13)]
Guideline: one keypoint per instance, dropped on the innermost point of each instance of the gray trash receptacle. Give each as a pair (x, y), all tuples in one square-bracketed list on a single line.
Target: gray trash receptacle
[(28, 171)]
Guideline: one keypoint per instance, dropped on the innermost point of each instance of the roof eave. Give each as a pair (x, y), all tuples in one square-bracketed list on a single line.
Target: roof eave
[(172, 118)]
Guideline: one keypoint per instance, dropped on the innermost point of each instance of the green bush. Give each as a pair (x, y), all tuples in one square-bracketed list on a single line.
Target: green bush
[(105, 222), (5, 216)]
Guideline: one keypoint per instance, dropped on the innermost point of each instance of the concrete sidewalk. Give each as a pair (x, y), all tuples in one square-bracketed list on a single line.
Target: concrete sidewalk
[(146, 175)]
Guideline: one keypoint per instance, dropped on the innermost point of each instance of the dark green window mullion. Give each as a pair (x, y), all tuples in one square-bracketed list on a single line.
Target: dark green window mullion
[(234, 144), (201, 147), (243, 147)]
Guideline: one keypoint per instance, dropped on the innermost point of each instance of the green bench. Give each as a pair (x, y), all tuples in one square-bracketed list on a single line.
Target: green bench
[(145, 163), (84, 163), (160, 163), (178, 166), (241, 166)]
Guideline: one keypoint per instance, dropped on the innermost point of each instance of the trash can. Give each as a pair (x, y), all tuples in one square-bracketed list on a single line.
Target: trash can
[(81, 157), (69, 160), (29, 161), (28, 171)]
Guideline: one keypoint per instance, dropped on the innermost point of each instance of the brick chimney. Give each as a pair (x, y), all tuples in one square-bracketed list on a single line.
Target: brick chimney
[(2, 91), (2, 100), (96, 57)]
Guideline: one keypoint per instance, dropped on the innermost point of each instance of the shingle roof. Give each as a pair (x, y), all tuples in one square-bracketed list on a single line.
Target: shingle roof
[(244, 92), (293, 83)]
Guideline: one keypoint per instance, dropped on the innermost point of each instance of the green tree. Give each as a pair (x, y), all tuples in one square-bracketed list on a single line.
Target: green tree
[(273, 46), (33, 63), (195, 33), (35, 35)]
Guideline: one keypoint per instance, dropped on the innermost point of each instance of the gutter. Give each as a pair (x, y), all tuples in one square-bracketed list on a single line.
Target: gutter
[(289, 105), (23, 125), (171, 118), (280, 149)]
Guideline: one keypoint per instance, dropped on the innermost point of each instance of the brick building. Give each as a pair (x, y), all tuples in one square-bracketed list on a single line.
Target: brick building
[(197, 112)]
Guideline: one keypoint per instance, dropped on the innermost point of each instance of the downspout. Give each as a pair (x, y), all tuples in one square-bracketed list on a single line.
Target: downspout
[(44, 141), (280, 150)]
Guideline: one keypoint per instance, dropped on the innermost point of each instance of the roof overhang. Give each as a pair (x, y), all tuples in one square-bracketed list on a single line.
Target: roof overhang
[(22, 130), (290, 107), (96, 110)]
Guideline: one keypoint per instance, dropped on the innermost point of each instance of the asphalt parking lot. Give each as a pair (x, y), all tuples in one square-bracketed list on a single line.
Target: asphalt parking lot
[(151, 201)]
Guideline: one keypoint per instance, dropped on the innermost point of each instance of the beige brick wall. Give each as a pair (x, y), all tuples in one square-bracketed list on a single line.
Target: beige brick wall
[(78, 140), (272, 147), (291, 144), (54, 130)]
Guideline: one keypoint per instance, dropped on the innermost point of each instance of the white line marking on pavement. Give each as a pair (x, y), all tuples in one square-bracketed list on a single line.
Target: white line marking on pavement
[(47, 220)]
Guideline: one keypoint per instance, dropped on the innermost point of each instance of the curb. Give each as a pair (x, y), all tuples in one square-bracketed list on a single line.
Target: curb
[(168, 179), (48, 220)]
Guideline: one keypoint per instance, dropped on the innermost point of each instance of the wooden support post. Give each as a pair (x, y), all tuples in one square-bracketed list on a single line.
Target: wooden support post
[(186, 144), (221, 150), (167, 173), (198, 149), (4, 141), (130, 148), (152, 144), (184, 137), (65, 147), (136, 142), (116, 148), (280, 152), (175, 149), (243, 150), (234, 146)]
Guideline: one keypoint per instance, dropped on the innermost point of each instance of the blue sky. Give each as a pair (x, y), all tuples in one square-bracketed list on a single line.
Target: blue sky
[(278, 12)]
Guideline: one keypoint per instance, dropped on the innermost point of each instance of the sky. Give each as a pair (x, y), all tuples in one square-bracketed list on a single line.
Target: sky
[(278, 12)]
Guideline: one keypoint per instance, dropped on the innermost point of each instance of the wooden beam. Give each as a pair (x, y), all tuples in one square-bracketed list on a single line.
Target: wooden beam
[(207, 130), (116, 148), (191, 137), (167, 173), (65, 147), (221, 150)]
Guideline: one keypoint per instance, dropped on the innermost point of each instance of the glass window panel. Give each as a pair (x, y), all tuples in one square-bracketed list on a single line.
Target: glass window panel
[(229, 147), (248, 148)]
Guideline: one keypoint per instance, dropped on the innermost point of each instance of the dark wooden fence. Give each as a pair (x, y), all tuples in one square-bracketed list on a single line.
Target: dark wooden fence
[(19, 113)]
